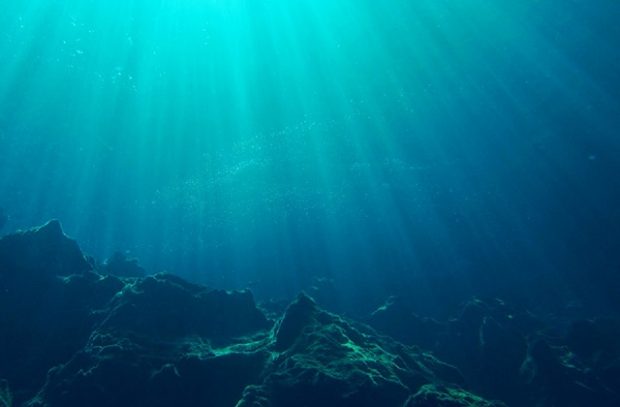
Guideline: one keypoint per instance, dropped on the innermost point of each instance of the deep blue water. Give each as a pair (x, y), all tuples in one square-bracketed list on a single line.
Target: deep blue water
[(435, 148)]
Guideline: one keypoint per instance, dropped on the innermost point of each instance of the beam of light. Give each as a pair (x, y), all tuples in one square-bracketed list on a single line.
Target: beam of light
[(345, 135)]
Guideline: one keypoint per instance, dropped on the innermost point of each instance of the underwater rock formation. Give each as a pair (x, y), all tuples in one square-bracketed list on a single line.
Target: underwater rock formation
[(508, 354), (47, 296), (72, 335), (311, 357), (120, 265), (40, 253), (69, 316), (324, 359)]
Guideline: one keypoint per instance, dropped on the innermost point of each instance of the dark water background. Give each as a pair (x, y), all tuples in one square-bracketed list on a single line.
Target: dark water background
[(436, 149)]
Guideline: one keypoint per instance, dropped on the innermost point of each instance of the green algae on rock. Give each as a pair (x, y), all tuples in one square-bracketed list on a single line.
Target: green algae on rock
[(431, 395)]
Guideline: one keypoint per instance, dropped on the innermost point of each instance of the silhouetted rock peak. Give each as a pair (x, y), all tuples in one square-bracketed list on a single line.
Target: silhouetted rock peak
[(42, 252), (298, 315), (52, 229), (326, 359)]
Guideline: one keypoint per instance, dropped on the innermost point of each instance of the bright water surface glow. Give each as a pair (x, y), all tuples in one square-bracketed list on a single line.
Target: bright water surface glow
[(379, 142)]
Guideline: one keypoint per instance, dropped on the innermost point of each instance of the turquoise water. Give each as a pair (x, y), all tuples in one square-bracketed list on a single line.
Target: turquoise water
[(441, 144)]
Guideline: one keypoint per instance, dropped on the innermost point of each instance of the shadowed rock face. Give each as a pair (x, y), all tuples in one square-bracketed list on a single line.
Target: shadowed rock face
[(47, 295), (166, 307)]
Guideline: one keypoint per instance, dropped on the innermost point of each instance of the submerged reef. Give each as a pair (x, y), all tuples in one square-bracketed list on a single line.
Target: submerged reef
[(74, 332)]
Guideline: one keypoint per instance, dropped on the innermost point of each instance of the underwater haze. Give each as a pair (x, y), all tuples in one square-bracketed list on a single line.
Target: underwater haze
[(445, 148)]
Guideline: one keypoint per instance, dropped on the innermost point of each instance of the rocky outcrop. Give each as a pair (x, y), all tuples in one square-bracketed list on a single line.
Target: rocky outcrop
[(324, 358), (507, 353), (311, 357), (39, 254), (48, 297), (75, 335), (93, 329)]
